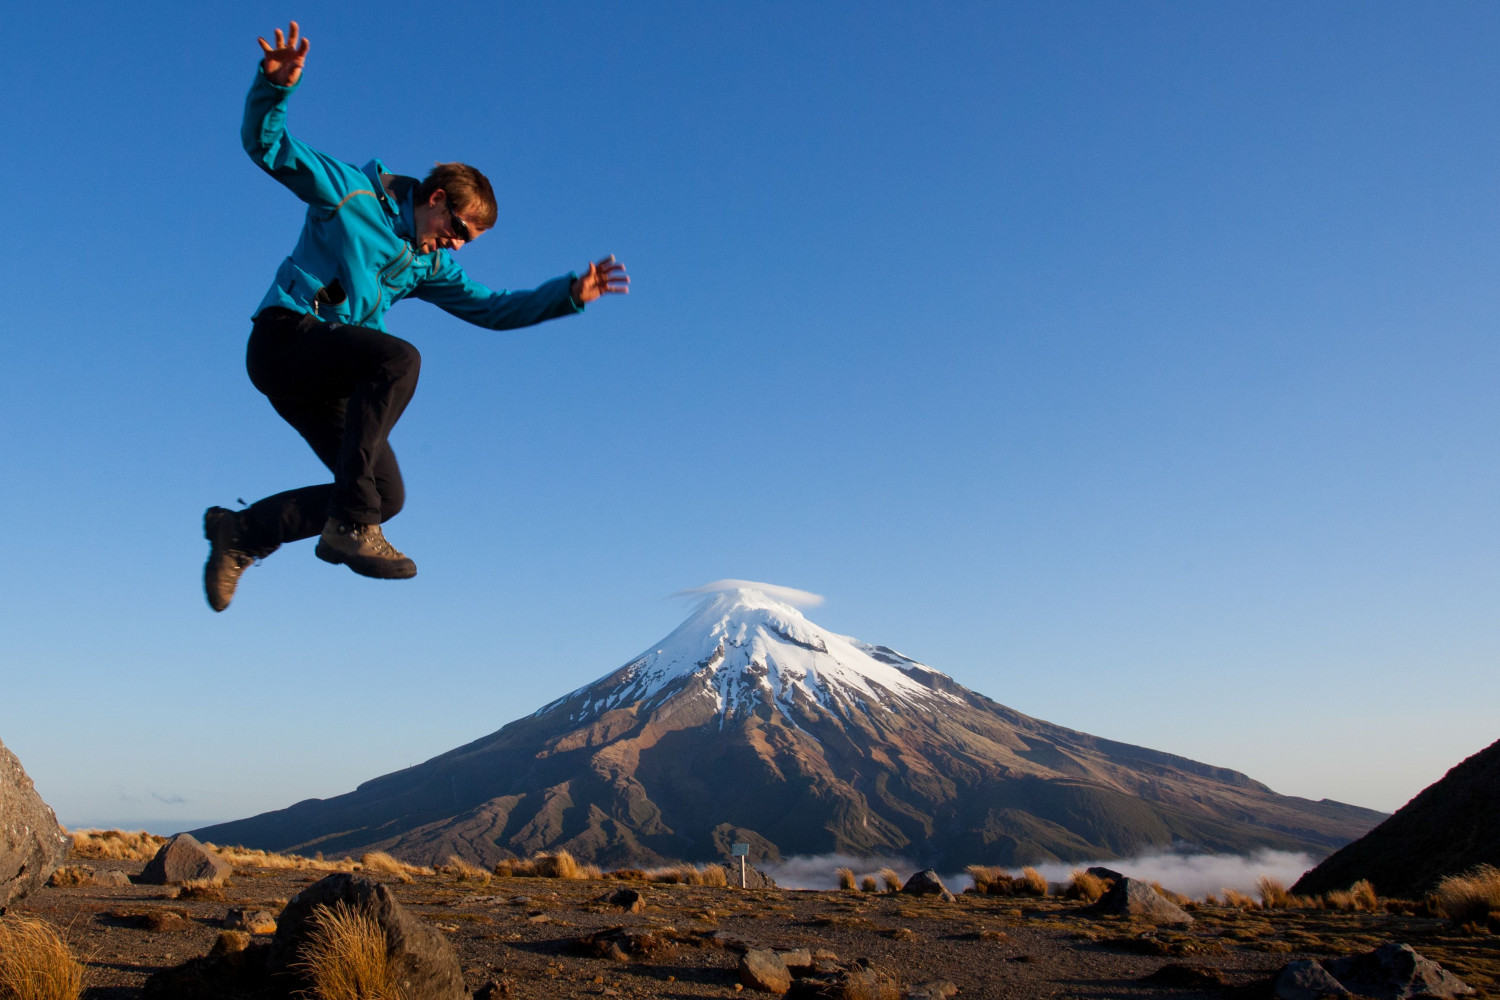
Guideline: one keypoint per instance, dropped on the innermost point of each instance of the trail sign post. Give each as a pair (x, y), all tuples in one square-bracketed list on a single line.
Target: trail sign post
[(740, 851)]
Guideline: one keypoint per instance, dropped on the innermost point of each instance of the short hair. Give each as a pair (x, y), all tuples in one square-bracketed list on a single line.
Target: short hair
[(468, 190)]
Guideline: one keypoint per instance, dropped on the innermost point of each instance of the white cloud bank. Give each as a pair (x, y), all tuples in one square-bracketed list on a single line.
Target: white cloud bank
[(1194, 875)]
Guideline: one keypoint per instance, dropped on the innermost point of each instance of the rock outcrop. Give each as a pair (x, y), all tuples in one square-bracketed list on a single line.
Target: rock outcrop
[(32, 844)]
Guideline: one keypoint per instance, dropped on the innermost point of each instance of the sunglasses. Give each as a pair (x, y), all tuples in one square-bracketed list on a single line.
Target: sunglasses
[(460, 227)]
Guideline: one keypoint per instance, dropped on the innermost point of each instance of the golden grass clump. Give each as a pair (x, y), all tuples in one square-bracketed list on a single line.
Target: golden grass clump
[(346, 956), (71, 875), (558, 864), (890, 879), (387, 864), (868, 884), (1471, 897), (35, 963), (116, 845), (244, 857), (1168, 894), (1273, 894), (688, 874), (1233, 897), (1359, 896), (1082, 885), (846, 879), (1033, 882), (465, 871)]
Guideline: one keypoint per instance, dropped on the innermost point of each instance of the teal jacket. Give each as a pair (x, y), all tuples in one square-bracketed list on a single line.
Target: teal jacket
[(355, 258)]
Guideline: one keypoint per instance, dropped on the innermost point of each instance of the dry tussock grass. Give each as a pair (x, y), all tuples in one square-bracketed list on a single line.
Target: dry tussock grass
[(1233, 897), (868, 884), (71, 875), (244, 857), (35, 963), (346, 956), (464, 871), (1273, 894), (991, 881), (116, 845), (1082, 885), (688, 874), (555, 864), (890, 879), (386, 864), (1471, 897), (1033, 881), (846, 879), (1359, 896)]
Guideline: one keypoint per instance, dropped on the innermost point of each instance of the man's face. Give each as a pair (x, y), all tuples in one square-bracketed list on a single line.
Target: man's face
[(441, 224)]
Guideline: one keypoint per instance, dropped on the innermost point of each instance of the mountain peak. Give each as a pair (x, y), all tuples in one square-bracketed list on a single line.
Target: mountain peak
[(748, 644)]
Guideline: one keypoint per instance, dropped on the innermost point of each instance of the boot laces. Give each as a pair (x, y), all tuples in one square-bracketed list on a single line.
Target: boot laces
[(376, 538)]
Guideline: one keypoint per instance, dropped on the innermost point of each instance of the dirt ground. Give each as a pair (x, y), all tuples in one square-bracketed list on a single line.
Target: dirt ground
[(523, 933)]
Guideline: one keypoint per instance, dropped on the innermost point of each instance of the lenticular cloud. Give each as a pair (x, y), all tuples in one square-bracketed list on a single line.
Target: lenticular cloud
[(787, 595)]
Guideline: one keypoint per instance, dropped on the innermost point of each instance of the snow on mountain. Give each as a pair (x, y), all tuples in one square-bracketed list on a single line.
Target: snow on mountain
[(750, 647)]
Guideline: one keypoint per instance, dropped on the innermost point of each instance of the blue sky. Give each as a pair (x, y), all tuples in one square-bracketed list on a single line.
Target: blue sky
[(1132, 363)]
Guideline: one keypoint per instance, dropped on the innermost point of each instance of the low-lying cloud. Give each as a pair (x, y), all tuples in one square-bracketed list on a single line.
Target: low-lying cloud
[(1194, 875)]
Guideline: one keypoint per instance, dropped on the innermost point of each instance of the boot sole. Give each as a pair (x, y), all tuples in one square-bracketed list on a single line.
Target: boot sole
[(375, 569)]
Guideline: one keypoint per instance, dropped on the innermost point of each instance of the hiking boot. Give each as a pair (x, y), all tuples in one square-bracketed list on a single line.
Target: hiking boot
[(363, 548), (227, 558)]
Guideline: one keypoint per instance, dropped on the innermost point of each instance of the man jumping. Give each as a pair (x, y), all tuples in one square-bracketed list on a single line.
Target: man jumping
[(318, 347)]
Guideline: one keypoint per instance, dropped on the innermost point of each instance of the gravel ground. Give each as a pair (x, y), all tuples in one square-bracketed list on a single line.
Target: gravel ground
[(522, 933)]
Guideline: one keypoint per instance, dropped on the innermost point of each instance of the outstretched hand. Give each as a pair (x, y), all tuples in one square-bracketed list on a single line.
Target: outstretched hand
[(607, 277), (283, 61)]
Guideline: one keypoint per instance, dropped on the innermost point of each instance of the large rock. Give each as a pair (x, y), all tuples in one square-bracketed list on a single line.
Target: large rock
[(1133, 898), (927, 883), (762, 969), (183, 859), (32, 844), (421, 957), (1395, 971)]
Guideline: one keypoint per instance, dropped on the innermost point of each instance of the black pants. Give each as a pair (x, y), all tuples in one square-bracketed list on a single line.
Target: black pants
[(343, 388)]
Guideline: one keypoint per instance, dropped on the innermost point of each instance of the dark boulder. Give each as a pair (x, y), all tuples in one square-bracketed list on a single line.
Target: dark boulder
[(1395, 970), (421, 957), (32, 844), (927, 883), (1133, 898), (183, 859)]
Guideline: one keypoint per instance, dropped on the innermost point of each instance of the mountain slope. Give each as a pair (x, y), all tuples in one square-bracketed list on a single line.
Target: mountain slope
[(1451, 826), (751, 723)]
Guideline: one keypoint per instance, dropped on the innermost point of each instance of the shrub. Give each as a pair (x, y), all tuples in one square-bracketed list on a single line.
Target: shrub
[(890, 879), (1470, 897), (990, 881), (1033, 881), (1364, 896), (346, 956), (868, 884), (71, 875), (846, 879), (1082, 885), (35, 964)]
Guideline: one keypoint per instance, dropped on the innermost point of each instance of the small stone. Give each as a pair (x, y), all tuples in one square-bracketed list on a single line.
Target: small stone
[(762, 969), (629, 900), (252, 921), (110, 878), (937, 989)]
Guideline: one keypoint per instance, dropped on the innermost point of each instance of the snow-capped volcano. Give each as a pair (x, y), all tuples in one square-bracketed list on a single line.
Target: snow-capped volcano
[(749, 648), (749, 723)]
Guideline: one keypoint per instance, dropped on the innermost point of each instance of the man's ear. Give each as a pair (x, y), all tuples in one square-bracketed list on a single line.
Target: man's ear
[(437, 198)]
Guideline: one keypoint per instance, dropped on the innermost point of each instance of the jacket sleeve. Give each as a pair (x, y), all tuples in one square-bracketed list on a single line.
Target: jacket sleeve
[(315, 177), (453, 291)]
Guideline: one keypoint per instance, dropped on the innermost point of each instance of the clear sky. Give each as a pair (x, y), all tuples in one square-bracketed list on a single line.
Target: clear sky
[(1133, 363)]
